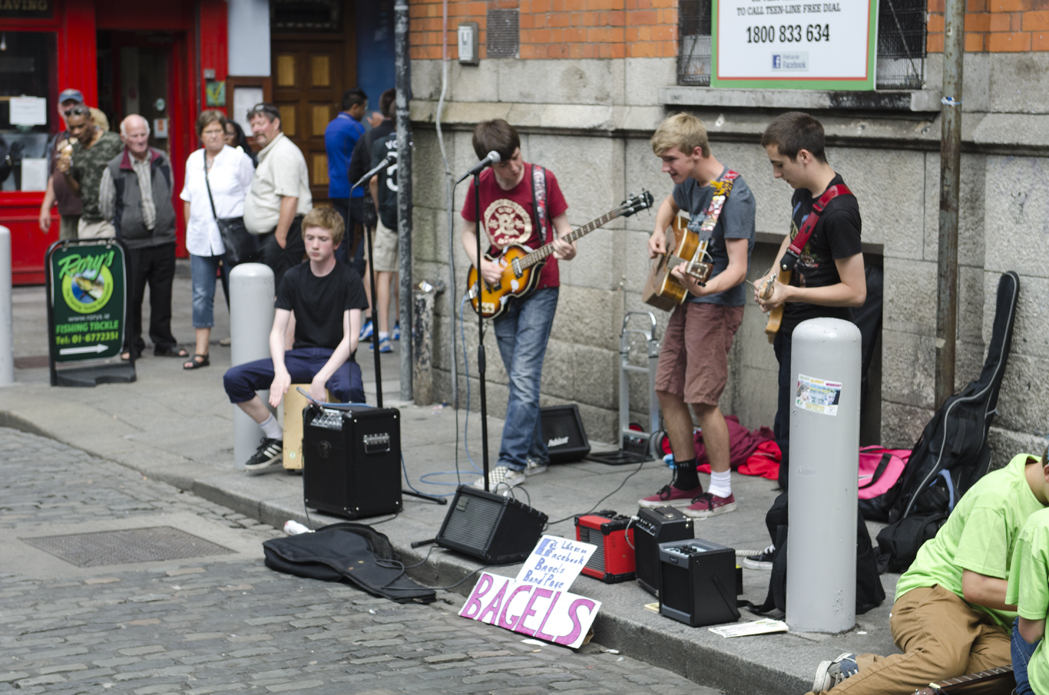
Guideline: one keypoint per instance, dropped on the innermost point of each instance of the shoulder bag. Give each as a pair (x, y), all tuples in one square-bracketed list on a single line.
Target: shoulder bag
[(240, 244)]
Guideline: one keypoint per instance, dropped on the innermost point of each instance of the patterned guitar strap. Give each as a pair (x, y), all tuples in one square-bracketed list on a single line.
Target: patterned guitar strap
[(539, 201), (705, 229)]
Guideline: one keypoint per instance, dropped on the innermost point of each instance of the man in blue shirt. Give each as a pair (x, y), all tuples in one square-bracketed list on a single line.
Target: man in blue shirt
[(340, 137)]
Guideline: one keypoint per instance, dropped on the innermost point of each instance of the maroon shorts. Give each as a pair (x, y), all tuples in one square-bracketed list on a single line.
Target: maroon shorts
[(693, 362)]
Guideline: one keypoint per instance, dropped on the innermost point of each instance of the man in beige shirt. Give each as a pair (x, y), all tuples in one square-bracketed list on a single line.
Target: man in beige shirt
[(280, 194)]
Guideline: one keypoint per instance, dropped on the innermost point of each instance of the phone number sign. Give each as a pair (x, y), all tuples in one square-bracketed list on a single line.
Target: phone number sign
[(783, 44)]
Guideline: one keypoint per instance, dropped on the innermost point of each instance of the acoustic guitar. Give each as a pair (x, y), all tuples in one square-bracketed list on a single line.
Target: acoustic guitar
[(776, 315), (521, 266), (662, 290), (952, 684)]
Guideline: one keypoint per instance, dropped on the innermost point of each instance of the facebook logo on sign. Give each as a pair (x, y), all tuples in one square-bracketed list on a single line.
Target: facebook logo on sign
[(775, 61)]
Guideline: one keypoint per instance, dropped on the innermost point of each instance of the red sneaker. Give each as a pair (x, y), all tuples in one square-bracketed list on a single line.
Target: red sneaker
[(670, 496), (707, 504)]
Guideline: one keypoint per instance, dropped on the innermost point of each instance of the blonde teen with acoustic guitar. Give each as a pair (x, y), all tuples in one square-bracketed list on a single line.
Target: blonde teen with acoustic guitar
[(693, 362), (827, 277), (508, 192)]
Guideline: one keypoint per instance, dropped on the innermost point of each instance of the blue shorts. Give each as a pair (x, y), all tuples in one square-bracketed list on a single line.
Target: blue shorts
[(241, 382)]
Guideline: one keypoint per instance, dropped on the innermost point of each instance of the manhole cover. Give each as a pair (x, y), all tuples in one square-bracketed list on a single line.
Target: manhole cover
[(126, 547)]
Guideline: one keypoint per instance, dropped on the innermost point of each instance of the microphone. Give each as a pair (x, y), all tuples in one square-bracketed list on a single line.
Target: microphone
[(492, 158), (390, 158)]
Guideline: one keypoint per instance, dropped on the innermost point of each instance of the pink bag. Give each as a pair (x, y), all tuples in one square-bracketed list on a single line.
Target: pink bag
[(880, 468)]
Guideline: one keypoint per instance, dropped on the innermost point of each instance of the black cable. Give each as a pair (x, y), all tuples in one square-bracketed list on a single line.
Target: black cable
[(452, 586), (598, 503)]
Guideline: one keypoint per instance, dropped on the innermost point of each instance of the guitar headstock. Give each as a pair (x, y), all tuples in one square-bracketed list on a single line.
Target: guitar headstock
[(636, 203)]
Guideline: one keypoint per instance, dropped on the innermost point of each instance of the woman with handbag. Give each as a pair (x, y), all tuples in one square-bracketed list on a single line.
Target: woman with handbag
[(217, 180)]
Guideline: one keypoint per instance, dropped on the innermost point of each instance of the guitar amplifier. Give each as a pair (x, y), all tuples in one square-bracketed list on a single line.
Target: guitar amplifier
[(496, 530), (655, 526), (564, 434), (613, 561), (352, 460), (698, 582)]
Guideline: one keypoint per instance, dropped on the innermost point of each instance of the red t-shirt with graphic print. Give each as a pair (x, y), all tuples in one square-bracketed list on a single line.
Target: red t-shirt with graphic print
[(509, 216)]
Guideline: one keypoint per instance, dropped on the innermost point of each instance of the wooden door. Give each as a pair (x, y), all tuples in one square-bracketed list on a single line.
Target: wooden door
[(307, 87)]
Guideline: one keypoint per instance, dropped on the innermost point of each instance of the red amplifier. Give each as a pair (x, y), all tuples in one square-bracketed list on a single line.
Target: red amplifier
[(613, 561)]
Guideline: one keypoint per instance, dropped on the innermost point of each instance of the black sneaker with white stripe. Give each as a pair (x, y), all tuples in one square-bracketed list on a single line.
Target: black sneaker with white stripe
[(267, 458)]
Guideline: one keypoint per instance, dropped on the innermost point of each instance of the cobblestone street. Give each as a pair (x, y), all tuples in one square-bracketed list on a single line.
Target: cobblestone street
[(215, 624)]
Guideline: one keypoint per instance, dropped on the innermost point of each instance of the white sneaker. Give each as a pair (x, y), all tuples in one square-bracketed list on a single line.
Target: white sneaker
[(831, 673), (501, 479), (535, 467), (760, 561)]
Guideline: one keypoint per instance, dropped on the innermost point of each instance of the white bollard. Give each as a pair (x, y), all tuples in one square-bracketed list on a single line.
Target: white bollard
[(7, 333), (824, 464), (250, 320)]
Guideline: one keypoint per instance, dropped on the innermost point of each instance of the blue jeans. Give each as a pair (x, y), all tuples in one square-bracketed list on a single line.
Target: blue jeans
[(1022, 652), (781, 426), (522, 334), (203, 269)]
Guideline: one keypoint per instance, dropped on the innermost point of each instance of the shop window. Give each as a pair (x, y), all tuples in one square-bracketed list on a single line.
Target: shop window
[(27, 108), (901, 43), (298, 15)]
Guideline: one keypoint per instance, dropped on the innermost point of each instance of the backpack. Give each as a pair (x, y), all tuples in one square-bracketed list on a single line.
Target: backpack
[(869, 591), (387, 181), (880, 468), (956, 438), (898, 543)]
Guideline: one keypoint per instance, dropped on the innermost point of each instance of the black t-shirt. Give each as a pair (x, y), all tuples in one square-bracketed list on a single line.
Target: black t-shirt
[(387, 180), (319, 302), (836, 236)]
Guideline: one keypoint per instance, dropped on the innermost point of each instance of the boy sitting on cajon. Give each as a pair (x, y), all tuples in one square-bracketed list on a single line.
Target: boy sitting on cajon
[(326, 298)]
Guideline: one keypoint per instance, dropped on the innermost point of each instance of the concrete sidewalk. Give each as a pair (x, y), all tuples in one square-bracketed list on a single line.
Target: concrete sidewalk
[(176, 426)]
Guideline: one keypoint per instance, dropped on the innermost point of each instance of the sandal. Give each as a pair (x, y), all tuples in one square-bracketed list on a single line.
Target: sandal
[(170, 352), (197, 362)]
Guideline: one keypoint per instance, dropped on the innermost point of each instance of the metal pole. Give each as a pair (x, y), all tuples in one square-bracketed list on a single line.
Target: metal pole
[(950, 173), (402, 67), (250, 320), (422, 347), (7, 333), (824, 463)]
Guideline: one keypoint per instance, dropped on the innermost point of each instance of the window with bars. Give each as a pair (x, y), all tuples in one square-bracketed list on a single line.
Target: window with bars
[(901, 43)]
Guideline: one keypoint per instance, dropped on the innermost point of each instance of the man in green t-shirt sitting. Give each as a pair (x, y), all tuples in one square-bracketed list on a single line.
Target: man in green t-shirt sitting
[(952, 615)]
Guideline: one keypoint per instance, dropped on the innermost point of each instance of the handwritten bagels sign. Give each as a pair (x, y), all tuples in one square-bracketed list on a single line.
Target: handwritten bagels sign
[(537, 602)]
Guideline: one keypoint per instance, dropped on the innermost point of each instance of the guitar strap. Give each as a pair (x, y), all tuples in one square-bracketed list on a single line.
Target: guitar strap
[(790, 258), (722, 187), (539, 201)]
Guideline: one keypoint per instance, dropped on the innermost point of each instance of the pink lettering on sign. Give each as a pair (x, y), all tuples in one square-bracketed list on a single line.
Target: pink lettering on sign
[(512, 623), (529, 611), (493, 607), (573, 615), (473, 604), (539, 634)]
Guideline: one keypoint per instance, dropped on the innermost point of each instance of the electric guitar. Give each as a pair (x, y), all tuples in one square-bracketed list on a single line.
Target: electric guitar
[(521, 266), (952, 684), (776, 315), (662, 290)]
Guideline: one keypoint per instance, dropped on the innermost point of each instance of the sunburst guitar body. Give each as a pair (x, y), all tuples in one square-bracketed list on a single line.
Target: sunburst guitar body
[(521, 266), (684, 247)]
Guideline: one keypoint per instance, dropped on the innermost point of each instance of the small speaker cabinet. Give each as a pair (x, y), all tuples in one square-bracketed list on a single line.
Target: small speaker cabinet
[(496, 530), (655, 526), (613, 561), (564, 433), (352, 460), (698, 582)]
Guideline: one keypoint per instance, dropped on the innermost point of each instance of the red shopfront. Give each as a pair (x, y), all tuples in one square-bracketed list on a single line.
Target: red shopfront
[(126, 56)]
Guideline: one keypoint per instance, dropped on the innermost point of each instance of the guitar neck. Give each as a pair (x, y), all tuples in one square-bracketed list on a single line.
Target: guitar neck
[(955, 683), (543, 252)]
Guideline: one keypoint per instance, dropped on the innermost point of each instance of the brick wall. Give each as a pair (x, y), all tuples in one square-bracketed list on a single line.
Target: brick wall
[(556, 28), (996, 26)]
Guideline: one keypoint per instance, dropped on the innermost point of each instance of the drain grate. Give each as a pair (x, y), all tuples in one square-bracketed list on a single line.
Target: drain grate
[(126, 547)]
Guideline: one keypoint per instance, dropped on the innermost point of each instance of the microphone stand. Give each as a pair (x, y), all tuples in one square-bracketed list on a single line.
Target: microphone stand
[(375, 340), (480, 334)]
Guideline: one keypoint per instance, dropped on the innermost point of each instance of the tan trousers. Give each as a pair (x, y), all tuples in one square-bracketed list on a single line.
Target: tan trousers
[(95, 230), (941, 636)]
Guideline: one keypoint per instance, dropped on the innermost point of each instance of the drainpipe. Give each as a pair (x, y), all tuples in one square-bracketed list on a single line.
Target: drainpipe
[(950, 171), (402, 67)]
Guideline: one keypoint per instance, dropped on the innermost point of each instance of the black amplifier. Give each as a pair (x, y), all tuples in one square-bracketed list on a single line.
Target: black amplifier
[(496, 530), (352, 460), (655, 526), (698, 582), (564, 434)]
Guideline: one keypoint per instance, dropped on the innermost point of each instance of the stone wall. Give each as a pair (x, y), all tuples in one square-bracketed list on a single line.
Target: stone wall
[(589, 121)]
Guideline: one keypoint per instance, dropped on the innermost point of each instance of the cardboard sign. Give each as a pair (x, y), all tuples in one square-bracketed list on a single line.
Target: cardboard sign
[(555, 563), (527, 609)]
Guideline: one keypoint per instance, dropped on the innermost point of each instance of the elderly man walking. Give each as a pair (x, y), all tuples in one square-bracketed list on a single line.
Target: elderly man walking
[(135, 197), (280, 194)]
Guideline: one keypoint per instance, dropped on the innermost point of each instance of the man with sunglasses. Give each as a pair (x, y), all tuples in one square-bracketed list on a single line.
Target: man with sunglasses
[(69, 205), (280, 193), (92, 151)]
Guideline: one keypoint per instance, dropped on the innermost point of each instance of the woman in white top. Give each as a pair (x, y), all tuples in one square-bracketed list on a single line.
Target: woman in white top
[(228, 172)]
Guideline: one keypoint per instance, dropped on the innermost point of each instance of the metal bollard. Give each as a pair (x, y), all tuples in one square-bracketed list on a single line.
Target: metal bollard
[(7, 333), (250, 320), (422, 341), (824, 464)]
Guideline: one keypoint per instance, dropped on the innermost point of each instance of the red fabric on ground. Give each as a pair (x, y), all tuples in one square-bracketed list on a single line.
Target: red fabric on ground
[(750, 453)]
